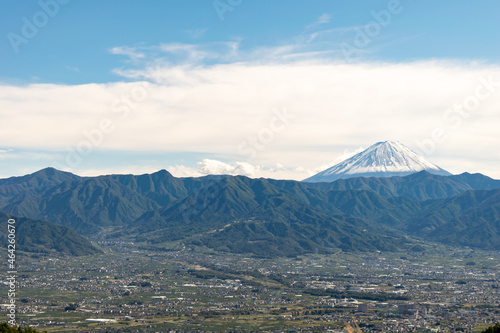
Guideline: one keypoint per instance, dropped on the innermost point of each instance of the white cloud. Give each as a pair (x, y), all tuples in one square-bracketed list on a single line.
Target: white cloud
[(131, 52), (211, 109), (19, 155), (184, 171), (4, 153), (179, 54), (196, 33), (325, 18), (119, 170), (72, 68), (208, 98), (214, 167), (322, 19), (205, 167)]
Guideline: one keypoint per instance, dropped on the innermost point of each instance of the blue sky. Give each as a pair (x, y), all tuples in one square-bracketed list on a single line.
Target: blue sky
[(98, 51), (73, 47)]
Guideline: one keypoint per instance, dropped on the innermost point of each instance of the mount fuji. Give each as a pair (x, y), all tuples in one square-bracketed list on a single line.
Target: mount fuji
[(383, 159)]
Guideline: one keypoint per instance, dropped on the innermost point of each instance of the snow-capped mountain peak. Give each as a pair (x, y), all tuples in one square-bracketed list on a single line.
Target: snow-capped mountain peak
[(383, 159)]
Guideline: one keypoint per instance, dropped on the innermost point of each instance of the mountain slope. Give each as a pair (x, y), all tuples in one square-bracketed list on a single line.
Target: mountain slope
[(160, 187), (469, 219), (18, 188), (383, 159), (252, 215), (417, 186), (89, 204), (45, 237), (476, 181), (86, 205), (265, 217)]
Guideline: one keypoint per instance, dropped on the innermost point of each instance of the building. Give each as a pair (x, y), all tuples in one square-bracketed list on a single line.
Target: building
[(407, 308), (363, 307)]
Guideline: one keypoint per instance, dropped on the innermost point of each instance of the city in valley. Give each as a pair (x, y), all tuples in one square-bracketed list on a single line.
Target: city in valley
[(230, 166), (136, 288)]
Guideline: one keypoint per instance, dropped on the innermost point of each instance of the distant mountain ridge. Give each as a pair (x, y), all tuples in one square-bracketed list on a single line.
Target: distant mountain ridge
[(383, 159), (417, 186), (265, 217)]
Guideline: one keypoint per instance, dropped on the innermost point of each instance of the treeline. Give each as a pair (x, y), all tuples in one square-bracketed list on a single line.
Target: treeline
[(382, 297), (5, 328), (492, 329)]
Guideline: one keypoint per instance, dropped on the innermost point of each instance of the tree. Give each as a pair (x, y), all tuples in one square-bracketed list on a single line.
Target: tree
[(5, 328), (492, 329)]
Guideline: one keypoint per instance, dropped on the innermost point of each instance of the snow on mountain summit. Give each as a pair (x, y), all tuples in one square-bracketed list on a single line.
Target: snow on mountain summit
[(383, 159)]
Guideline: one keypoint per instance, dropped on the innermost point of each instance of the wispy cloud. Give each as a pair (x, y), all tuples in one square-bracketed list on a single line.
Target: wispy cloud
[(12, 154), (321, 20), (325, 18), (318, 41), (177, 54), (4, 153), (132, 52), (72, 68), (196, 33)]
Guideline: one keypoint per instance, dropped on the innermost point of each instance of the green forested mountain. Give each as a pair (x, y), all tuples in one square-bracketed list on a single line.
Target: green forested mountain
[(264, 216), (471, 219), (16, 188), (418, 186), (45, 237), (251, 215)]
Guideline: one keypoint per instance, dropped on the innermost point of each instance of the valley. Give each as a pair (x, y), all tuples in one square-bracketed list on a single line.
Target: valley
[(130, 289), (152, 252)]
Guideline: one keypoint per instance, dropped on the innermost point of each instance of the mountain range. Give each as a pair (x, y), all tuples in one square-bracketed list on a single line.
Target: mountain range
[(264, 217)]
